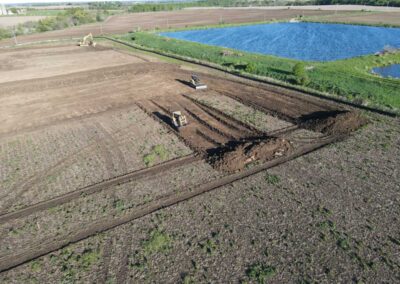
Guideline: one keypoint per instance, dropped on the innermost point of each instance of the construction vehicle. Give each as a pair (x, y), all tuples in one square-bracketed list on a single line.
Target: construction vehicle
[(87, 41), (178, 119), (195, 83)]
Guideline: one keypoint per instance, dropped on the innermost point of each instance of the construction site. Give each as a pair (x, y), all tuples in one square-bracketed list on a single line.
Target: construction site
[(122, 166)]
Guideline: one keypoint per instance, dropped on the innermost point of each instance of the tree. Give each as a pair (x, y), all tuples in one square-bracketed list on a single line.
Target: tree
[(299, 71)]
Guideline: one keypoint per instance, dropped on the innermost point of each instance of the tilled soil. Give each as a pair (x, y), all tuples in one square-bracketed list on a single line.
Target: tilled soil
[(94, 128), (305, 225), (236, 159), (334, 122)]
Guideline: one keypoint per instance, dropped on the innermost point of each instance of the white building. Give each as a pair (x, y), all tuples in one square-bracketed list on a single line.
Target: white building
[(3, 10)]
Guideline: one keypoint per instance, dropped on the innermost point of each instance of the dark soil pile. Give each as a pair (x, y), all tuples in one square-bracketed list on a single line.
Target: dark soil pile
[(334, 122), (236, 158)]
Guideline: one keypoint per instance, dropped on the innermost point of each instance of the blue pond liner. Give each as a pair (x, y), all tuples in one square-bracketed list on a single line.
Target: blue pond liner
[(303, 41), (390, 71)]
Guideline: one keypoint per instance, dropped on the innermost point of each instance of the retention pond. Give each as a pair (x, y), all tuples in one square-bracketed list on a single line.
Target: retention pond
[(303, 41)]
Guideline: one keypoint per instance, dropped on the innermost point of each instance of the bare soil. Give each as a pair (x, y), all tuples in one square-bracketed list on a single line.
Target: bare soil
[(236, 158), (87, 152), (334, 122), (388, 18)]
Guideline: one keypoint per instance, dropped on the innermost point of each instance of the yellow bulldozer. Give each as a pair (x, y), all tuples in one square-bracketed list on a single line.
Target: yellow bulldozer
[(87, 41), (178, 119)]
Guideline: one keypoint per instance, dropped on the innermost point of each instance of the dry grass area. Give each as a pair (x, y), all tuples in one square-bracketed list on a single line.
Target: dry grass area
[(9, 21), (84, 137)]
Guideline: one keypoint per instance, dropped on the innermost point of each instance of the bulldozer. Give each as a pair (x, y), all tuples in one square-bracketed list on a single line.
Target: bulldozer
[(178, 119), (196, 83), (87, 41)]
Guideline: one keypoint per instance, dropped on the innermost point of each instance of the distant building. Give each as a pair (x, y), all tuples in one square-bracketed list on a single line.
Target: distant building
[(3, 10)]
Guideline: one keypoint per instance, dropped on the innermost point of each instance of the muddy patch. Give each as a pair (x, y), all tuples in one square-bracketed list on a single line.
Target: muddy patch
[(333, 122), (236, 158)]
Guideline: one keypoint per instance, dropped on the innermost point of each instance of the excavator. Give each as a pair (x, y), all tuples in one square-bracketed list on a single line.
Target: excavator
[(178, 119), (87, 41)]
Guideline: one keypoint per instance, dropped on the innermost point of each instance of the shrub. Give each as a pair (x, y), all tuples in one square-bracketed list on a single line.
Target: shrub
[(5, 33), (260, 273), (299, 71)]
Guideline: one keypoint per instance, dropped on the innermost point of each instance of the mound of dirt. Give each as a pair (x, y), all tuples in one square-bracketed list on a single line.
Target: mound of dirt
[(236, 158), (334, 122)]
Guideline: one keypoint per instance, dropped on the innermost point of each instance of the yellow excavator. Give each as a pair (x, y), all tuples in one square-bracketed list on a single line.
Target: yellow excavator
[(87, 41)]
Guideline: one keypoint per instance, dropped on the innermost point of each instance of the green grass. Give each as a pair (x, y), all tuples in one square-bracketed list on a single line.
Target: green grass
[(157, 152), (272, 179), (350, 79), (40, 12), (158, 242), (260, 273)]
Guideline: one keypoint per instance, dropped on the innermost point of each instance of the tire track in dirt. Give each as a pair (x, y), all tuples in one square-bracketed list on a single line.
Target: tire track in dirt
[(213, 122), (108, 139), (67, 197), (107, 253), (102, 146), (35, 179), (109, 142), (229, 121), (123, 268), (55, 243)]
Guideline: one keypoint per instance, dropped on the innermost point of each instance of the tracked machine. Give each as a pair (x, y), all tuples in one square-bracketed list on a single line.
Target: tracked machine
[(87, 41), (178, 119), (196, 83)]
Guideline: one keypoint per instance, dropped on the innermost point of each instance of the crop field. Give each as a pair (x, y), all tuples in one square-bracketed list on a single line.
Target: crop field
[(264, 184)]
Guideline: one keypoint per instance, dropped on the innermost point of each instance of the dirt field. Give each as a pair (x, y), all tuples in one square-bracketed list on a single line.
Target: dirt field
[(89, 156), (389, 18), (163, 20)]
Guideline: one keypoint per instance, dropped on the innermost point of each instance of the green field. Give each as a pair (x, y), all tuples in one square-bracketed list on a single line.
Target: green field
[(350, 79), (40, 12)]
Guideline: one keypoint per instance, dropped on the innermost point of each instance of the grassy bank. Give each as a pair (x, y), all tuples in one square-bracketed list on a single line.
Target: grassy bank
[(349, 78)]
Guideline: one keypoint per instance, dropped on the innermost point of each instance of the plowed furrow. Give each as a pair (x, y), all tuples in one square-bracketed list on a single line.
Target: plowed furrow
[(230, 122), (197, 134)]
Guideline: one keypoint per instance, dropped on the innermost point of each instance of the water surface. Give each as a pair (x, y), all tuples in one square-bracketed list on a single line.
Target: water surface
[(304, 41), (392, 71)]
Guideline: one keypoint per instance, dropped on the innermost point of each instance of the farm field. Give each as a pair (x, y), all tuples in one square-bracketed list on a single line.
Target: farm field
[(377, 18), (264, 184), (9, 21), (91, 124)]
